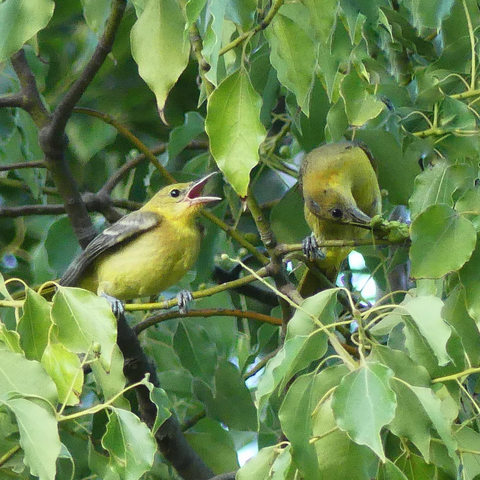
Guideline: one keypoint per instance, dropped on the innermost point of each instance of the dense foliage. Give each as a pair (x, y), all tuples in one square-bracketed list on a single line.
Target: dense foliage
[(104, 101)]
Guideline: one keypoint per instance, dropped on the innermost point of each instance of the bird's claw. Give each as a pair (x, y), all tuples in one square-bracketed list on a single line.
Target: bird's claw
[(311, 249), (183, 299), (116, 305)]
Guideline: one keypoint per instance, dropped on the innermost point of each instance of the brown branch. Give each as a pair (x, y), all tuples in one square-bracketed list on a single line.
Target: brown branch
[(14, 100), (203, 66), (20, 165), (30, 99), (104, 47), (275, 268), (205, 312), (170, 439), (115, 179), (93, 203)]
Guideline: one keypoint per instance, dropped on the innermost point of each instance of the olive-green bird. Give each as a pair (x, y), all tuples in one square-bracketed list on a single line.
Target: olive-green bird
[(146, 251), (340, 188)]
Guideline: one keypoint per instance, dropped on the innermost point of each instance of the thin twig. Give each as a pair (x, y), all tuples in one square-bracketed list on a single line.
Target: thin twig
[(20, 165), (205, 312)]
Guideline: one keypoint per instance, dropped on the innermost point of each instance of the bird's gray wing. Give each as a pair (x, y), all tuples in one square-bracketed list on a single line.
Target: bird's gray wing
[(127, 228)]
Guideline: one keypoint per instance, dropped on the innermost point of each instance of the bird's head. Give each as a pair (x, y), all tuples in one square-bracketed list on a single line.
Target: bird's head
[(183, 199), (336, 206)]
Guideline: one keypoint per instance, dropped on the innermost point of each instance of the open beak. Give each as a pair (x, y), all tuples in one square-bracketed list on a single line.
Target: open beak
[(194, 194)]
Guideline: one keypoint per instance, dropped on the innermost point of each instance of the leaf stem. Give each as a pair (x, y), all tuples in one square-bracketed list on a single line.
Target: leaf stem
[(455, 376), (471, 35), (261, 26)]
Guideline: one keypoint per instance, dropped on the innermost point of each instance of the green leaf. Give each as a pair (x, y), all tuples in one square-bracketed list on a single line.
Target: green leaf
[(433, 407), (456, 115), (468, 205), (25, 377), (363, 403), (65, 369), (96, 13), (468, 440), (295, 71), (455, 314), (304, 343), (396, 169), (289, 228), (160, 398), (159, 47), (214, 445), (470, 279), (34, 325), (112, 381), (426, 312), (360, 105), (437, 184), (389, 471), (402, 365), (99, 134), (230, 389), (130, 444), (411, 421), (20, 20), (180, 136), (38, 436), (84, 321), (10, 338), (442, 241), (338, 456), (283, 465), (242, 12), (259, 466), (196, 350), (429, 14), (296, 418), (234, 128), (322, 18), (214, 37)]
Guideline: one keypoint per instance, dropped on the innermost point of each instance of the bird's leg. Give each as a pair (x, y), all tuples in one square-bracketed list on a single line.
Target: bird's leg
[(116, 305), (184, 298), (311, 249)]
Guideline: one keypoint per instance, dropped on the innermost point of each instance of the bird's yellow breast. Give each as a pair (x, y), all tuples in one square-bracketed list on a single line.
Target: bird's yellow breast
[(148, 264)]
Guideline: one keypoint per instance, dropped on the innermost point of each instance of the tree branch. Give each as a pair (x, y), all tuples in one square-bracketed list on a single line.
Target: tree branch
[(205, 312), (15, 100), (104, 47), (30, 99), (170, 439), (18, 166), (261, 26)]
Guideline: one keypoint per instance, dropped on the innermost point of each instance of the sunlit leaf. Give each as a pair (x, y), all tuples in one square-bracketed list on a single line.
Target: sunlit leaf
[(85, 322), (296, 71), (20, 20), (159, 47), (363, 403), (38, 436), (130, 444), (442, 241), (234, 128), (65, 369)]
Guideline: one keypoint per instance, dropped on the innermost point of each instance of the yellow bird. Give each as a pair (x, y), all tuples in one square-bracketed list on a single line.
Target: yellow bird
[(340, 188), (146, 251)]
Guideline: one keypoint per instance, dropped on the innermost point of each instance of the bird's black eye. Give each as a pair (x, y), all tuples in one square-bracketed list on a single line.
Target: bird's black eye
[(175, 193), (337, 213)]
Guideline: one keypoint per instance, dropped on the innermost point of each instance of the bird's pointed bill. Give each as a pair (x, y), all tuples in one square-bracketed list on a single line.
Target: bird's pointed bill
[(359, 217), (194, 195)]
